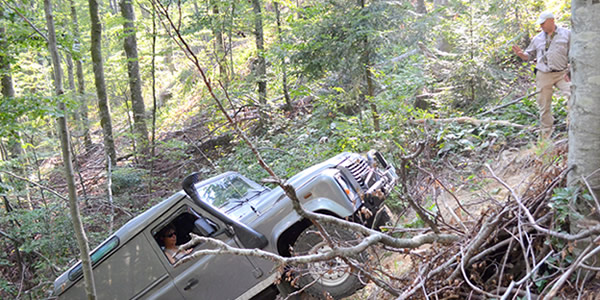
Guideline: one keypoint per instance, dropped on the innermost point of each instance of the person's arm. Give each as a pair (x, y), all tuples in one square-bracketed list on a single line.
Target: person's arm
[(170, 258), (520, 53)]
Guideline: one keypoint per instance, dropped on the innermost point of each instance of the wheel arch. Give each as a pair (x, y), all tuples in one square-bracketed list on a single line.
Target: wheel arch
[(289, 235)]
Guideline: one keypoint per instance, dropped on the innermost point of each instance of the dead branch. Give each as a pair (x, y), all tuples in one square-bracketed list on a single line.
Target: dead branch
[(376, 237), (588, 252), (493, 109), (469, 120), (529, 274), (594, 230), (483, 234)]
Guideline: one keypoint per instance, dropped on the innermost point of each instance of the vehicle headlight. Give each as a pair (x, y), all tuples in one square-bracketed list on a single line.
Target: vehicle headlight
[(351, 193)]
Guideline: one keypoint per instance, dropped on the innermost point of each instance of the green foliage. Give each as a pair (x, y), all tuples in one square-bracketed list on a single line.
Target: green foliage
[(340, 38), (564, 202), (559, 203), (475, 61), (7, 288), (40, 229), (37, 231), (468, 139), (127, 179), (30, 107)]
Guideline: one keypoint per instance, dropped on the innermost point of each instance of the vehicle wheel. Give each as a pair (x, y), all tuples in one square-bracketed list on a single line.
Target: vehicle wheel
[(334, 277)]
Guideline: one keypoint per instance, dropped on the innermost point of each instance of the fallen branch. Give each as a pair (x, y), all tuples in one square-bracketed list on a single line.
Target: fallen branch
[(376, 237), (594, 230), (469, 120), (587, 253), (483, 234), (493, 109)]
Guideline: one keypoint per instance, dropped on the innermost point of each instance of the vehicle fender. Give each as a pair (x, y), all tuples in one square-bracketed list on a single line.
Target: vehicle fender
[(313, 205)]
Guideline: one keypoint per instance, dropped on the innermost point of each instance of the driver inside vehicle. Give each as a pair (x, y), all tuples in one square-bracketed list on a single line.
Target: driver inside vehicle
[(168, 237)]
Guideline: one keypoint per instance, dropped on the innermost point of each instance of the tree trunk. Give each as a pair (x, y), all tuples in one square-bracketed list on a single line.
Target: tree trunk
[(8, 91), (103, 107), (229, 39), (83, 109), (153, 76), (584, 111), (70, 73), (261, 66), (421, 7), (219, 45), (7, 81), (71, 81), (114, 6), (64, 138), (370, 87), (286, 94), (135, 82)]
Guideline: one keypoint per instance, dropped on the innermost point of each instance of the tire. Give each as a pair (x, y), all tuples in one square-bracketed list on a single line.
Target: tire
[(332, 278)]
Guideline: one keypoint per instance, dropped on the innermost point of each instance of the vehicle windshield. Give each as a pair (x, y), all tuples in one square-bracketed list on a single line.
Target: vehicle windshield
[(229, 190)]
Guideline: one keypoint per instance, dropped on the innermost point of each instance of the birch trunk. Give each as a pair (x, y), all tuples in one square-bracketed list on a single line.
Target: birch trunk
[(584, 112)]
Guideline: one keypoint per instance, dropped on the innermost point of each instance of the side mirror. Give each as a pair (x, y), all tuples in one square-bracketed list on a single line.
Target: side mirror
[(249, 237), (203, 227)]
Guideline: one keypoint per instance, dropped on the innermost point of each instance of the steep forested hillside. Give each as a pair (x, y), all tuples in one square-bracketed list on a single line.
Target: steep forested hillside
[(151, 91)]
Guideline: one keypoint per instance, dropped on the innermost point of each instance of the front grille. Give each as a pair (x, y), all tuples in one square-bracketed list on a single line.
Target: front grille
[(359, 169)]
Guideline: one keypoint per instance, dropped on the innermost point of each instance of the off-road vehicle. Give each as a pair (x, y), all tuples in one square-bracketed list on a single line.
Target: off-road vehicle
[(131, 263)]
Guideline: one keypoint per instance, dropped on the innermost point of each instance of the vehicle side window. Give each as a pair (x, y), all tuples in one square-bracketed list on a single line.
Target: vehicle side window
[(96, 256), (177, 232)]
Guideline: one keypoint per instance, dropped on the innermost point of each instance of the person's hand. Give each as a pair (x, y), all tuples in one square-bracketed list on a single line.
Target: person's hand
[(568, 77), (519, 52)]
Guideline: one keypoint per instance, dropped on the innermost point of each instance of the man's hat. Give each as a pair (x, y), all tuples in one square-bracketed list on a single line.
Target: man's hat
[(544, 16)]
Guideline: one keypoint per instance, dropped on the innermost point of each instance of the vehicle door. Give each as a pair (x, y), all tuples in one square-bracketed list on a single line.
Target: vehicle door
[(222, 276)]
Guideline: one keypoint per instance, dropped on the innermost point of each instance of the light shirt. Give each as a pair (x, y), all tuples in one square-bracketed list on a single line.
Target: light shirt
[(176, 255), (555, 57)]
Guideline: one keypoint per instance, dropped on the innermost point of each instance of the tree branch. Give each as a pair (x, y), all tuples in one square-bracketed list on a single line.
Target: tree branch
[(36, 184), (469, 120)]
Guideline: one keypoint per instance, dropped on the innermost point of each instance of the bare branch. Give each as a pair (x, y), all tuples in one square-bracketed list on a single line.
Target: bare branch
[(376, 237), (469, 120), (36, 184), (493, 109), (532, 222)]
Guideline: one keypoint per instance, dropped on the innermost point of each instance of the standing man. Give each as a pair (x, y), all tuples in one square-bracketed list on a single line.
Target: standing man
[(550, 48)]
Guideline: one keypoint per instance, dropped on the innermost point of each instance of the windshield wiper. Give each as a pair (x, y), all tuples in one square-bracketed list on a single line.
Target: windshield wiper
[(241, 202), (256, 193)]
